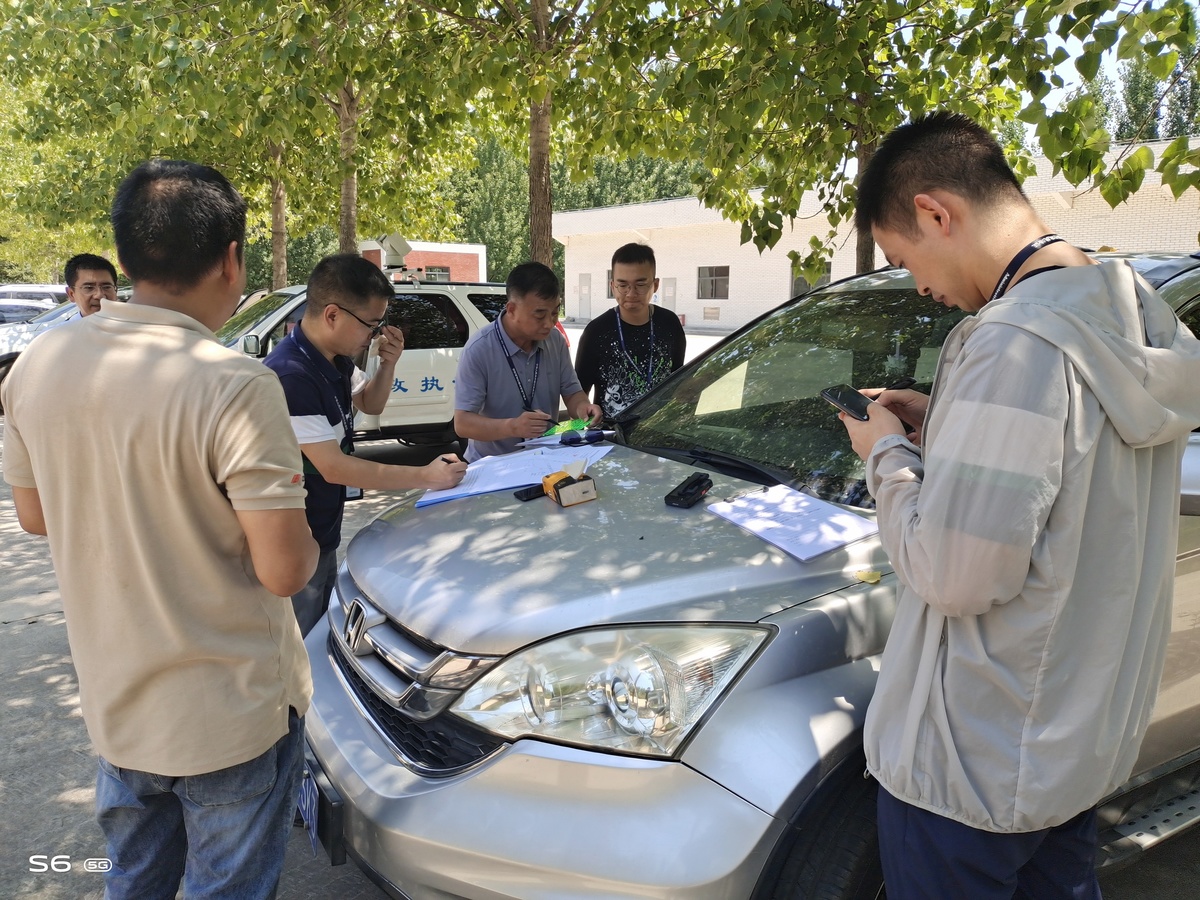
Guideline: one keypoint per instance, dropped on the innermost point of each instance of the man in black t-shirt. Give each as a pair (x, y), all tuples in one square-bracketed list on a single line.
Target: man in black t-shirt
[(628, 349)]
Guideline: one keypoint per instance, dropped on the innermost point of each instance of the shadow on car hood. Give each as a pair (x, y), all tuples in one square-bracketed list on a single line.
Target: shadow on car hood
[(489, 574)]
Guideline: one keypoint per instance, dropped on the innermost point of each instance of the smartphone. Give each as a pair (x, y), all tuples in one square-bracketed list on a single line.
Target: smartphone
[(531, 492), (848, 400)]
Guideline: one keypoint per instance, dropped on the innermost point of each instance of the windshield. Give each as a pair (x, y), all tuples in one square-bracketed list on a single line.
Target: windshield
[(51, 314), (245, 319), (756, 397)]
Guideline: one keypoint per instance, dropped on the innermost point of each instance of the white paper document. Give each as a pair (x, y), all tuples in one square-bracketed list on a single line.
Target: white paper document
[(514, 470), (800, 525)]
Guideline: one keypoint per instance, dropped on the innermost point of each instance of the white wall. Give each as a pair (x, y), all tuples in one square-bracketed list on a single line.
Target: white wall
[(1149, 220)]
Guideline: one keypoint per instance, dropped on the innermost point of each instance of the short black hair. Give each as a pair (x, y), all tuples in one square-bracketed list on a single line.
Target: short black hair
[(532, 278), (633, 254), (940, 151), (346, 279), (87, 261), (173, 222)]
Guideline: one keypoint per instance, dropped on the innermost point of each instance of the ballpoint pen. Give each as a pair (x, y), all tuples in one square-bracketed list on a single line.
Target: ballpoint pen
[(901, 383), (739, 494)]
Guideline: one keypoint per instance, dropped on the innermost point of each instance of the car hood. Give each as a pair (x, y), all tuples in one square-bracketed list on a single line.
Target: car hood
[(490, 574), (15, 336)]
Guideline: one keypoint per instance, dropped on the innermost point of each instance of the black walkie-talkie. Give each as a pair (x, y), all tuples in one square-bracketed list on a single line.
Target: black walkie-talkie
[(689, 491)]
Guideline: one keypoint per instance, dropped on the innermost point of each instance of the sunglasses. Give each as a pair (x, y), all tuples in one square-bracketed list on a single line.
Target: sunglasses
[(591, 436)]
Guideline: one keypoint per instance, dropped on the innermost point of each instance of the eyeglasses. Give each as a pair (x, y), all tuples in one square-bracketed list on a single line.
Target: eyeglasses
[(637, 287), (376, 329)]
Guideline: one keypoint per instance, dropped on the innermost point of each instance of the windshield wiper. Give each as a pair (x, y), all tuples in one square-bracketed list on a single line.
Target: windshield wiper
[(763, 474)]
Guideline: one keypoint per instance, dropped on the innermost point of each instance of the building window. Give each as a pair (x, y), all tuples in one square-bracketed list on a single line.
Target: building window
[(608, 291), (712, 283), (800, 284), (437, 273)]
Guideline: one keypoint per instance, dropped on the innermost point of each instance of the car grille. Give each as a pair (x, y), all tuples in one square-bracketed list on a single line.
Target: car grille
[(440, 746)]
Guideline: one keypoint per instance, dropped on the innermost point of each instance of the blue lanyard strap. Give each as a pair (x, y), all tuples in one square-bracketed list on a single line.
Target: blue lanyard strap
[(526, 398), (629, 356), (1017, 261), (347, 417)]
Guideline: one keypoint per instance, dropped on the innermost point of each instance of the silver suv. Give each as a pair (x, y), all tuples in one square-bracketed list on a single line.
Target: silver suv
[(436, 318), (626, 699)]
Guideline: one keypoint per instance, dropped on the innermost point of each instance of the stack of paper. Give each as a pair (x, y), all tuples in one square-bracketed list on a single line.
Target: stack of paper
[(800, 525)]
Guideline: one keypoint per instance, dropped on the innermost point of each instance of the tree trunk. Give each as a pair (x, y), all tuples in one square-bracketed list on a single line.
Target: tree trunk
[(347, 113), (279, 268), (864, 260), (541, 246), (541, 241)]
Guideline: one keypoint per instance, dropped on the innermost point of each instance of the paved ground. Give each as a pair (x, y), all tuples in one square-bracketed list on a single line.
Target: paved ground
[(47, 768)]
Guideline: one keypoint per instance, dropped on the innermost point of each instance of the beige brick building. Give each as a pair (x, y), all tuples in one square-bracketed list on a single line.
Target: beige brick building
[(715, 282)]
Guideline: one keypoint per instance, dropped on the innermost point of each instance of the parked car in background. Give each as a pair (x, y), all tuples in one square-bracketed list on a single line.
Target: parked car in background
[(627, 699), (48, 294), (250, 298), (437, 318), (22, 310)]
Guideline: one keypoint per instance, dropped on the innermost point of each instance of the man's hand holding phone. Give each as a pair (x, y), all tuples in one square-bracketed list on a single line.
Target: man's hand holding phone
[(909, 406), (865, 422)]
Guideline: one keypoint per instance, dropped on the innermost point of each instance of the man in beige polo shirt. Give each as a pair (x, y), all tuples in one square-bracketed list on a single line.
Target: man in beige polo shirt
[(175, 513)]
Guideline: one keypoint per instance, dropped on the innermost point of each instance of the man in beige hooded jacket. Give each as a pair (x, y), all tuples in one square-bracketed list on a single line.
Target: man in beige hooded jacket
[(1033, 529)]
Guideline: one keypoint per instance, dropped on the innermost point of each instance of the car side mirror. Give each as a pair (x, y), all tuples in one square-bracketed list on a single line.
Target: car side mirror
[(251, 345)]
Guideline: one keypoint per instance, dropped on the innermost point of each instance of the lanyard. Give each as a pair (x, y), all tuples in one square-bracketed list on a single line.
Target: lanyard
[(537, 367), (1019, 260), (347, 417), (629, 356)]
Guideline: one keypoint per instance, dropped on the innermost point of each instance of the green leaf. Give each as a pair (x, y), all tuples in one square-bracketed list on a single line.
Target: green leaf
[(1088, 65)]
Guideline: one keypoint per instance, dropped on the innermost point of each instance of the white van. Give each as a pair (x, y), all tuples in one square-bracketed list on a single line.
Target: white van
[(437, 318)]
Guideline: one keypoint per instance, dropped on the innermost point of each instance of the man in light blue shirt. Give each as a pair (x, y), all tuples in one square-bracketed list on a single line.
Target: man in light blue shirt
[(513, 372)]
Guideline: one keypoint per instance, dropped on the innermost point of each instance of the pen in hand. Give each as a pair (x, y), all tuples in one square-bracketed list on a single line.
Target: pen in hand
[(901, 383)]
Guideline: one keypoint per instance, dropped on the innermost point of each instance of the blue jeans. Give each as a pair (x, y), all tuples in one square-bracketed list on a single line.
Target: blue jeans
[(929, 857), (313, 599), (223, 833)]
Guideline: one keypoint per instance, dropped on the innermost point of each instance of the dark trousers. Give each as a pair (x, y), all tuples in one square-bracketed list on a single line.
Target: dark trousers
[(929, 857)]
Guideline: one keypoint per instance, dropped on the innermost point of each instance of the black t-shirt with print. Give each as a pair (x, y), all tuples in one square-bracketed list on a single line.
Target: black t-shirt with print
[(619, 375)]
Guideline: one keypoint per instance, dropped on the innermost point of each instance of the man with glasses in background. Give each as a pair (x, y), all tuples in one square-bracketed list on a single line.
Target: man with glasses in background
[(90, 279), (346, 309), (628, 349)]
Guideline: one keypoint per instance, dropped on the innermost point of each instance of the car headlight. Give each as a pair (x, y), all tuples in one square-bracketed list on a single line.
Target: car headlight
[(636, 690)]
